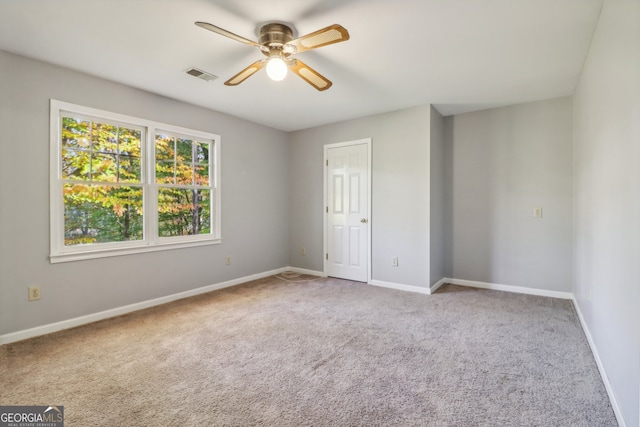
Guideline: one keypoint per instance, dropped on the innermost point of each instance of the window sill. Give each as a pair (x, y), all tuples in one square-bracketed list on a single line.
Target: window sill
[(104, 253)]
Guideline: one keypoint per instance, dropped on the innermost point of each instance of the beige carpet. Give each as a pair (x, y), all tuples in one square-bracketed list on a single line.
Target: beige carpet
[(325, 352)]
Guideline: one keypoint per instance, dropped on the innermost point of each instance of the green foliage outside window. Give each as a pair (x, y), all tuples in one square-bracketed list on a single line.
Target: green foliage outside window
[(103, 184), (182, 162)]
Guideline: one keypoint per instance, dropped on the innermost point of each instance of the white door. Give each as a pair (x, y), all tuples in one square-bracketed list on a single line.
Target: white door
[(347, 228)]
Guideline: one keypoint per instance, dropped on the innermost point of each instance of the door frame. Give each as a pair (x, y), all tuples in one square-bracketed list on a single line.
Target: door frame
[(325, 162)]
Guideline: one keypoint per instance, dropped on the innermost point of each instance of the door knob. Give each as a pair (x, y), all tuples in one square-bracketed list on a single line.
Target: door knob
[(363, 220)]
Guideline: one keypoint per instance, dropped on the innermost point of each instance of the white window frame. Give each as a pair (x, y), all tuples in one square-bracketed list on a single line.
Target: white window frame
[(151, 241)]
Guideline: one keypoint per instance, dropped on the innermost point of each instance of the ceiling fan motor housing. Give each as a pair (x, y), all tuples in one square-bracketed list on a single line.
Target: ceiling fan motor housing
[(275, 36)]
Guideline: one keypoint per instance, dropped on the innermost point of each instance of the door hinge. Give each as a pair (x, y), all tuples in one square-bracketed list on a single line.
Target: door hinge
[(327, 209), (326, 256), (327, 162)]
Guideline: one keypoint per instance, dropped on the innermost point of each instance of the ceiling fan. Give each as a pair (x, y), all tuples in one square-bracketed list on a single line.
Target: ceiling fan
[(276, 42)]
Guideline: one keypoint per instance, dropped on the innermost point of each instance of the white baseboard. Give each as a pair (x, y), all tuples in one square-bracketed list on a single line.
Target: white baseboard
[(304, 271), (83, 320), (400, 287), (603, 373), (509, 288), (473, 284), (438, 285)]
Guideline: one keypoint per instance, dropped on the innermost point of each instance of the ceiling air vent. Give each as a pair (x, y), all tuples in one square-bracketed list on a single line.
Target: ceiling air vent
[(203, 75)]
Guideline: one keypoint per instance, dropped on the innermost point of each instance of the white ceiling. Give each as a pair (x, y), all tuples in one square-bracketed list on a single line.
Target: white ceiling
[(460, 55)]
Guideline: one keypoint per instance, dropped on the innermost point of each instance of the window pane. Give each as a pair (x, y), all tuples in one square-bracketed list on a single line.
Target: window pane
[(165, 173), (75, 133), (105, 138), (129, 169), (101, 214), (129, 141), (104, 167), (184, 173), (201, 175), (76, 157), (202, 153), (76, 164), (165, 149), (113, 156), (183, 212), (184, 148), (129, 145)]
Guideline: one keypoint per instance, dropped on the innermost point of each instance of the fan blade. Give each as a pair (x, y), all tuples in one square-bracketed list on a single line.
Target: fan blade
[(326, 36), (231, 35), (310, 75), (246, 73)]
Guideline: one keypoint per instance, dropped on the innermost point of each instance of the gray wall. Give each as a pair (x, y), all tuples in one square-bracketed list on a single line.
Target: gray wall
[(400, 199), (607, 192), (506, 162), (438, 219), (255, 200)]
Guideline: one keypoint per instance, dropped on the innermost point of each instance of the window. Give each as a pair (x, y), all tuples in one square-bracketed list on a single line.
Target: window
[(182, 175), (123, 185)]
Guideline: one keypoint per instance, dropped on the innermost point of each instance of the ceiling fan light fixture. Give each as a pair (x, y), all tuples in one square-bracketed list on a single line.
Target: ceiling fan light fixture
[(276, 68), (278, 45)]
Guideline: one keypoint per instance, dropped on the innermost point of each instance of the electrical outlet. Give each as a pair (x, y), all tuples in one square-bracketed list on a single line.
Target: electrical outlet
[(394, 261), (228, 260), (303, 251), (537, 212), (34, 293)]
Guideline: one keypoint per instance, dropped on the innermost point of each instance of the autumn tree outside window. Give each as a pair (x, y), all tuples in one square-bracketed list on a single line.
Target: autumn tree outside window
[(121, 184)]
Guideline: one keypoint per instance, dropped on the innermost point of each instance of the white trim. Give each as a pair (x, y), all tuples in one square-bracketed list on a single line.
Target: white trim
[(304, 271), (400, 287), (438, 285), (509, 288), (603, 373), (90, 318), (103, 253), (367, 142)]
